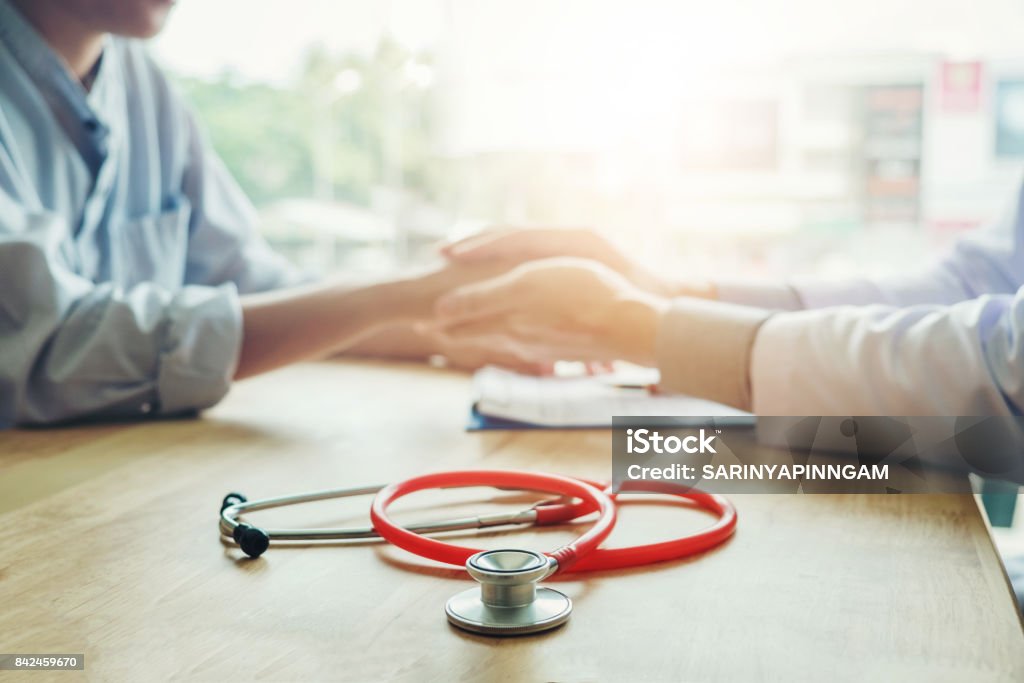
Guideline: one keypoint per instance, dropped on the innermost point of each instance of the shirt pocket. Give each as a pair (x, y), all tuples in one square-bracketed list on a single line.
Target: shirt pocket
[(155, 247)]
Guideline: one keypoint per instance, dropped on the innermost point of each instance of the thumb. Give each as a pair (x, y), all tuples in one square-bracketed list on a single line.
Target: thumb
[(457, 247), (476, 300), (505, 243)]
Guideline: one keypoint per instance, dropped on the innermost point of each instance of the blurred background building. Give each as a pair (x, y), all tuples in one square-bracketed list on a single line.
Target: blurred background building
[(756, 137)]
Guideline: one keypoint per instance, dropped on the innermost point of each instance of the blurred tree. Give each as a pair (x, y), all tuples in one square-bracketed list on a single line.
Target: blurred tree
[(259, 132), (347, 124)]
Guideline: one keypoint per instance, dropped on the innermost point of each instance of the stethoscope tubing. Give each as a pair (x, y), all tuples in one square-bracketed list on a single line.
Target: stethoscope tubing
[(592, 499), (590, 558), (607, 559), (544, 513)]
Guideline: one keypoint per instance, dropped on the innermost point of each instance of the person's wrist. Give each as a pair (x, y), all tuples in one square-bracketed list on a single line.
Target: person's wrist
[(409, 300), (635, 321), (649, 281), (668, 287), (369, 308), (696, 290)]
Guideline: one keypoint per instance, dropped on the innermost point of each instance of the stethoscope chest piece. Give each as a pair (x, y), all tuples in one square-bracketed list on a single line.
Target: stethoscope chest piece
[(508, 601)]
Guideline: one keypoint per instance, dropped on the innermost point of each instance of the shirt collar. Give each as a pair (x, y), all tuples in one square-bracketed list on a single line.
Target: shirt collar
[(79, 112)]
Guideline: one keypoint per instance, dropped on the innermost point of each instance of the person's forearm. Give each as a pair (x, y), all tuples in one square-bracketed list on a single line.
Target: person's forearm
[(287, 326), (694, 290), (775, 295), (669, 286), (397, 340)]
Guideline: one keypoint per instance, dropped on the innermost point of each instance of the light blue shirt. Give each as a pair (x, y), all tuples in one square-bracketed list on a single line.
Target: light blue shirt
[(124, 242)]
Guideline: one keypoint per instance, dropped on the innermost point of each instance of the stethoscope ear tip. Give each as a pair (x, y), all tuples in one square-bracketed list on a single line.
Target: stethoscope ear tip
[(252, 540), (233, 498)]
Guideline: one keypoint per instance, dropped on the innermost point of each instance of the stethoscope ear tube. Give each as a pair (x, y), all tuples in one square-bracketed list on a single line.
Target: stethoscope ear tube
[(254, 541), (235, 504)]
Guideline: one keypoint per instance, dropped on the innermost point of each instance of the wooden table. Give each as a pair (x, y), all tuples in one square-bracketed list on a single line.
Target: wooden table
[(108, 546)]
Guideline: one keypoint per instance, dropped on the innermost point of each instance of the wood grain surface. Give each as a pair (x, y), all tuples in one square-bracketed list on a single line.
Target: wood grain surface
[(109, 547)]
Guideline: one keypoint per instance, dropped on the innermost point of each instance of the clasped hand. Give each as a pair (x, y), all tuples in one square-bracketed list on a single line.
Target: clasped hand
[(592, 305)]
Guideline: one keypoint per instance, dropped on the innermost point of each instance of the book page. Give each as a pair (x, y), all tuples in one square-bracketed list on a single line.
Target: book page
[(577, 401)]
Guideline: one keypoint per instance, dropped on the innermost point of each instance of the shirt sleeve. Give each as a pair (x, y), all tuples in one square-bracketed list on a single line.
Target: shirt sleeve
[(988, 261), (72, 349), (963, 359)]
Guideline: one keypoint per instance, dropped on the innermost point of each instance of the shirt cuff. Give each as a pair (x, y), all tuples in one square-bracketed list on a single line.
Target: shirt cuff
[(200, 349), (773, 296), (703, 349)]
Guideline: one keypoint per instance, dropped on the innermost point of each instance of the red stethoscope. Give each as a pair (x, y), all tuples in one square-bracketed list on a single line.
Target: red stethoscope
[(508, 600)]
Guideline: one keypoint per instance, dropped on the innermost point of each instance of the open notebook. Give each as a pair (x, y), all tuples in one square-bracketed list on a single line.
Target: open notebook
[(507, 400)]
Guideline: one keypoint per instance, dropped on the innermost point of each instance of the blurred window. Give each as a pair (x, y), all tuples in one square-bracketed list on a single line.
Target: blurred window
[(771, 137)]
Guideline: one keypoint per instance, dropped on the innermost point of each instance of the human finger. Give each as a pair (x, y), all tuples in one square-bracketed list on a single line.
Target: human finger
[(479, 299)]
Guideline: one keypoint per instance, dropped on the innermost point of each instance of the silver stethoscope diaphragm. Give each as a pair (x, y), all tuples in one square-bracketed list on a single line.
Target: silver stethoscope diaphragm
[(508, 601)]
